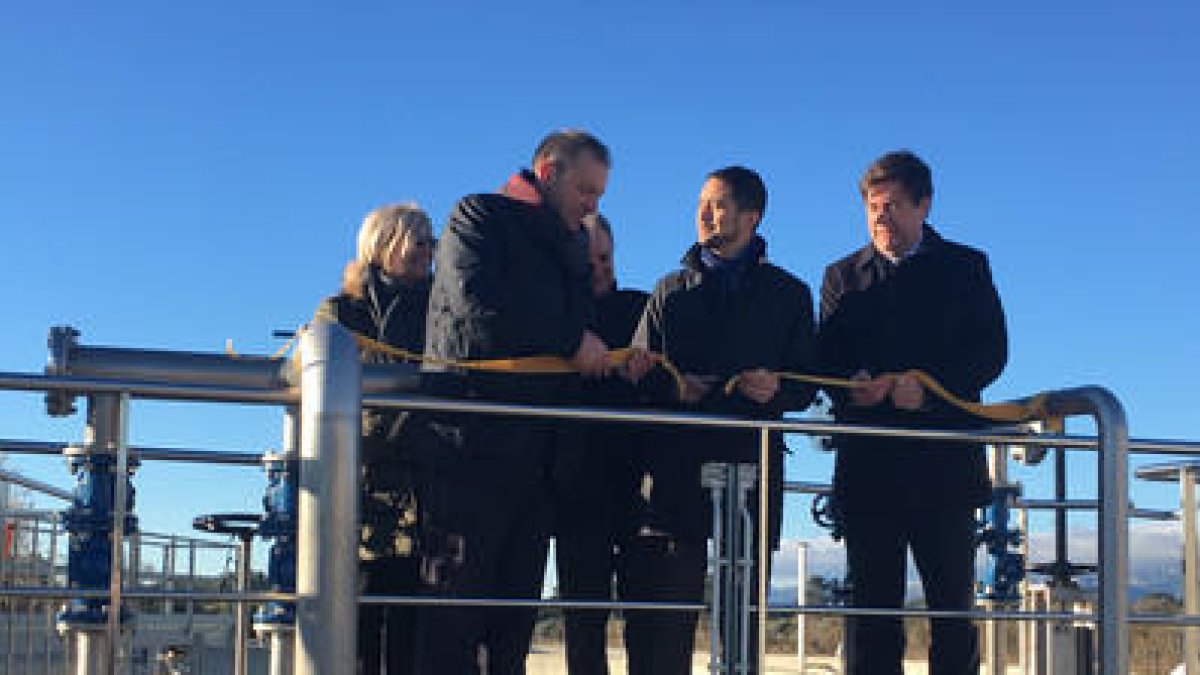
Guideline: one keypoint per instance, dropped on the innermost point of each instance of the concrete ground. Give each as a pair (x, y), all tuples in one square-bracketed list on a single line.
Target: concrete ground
[(551, 661)]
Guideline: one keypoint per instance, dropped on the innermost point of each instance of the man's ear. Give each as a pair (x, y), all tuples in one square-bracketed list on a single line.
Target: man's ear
[(751, 219), (545, 170)]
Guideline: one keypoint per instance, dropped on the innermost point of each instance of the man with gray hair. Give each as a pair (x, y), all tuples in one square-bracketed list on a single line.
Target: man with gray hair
[(513, 281)]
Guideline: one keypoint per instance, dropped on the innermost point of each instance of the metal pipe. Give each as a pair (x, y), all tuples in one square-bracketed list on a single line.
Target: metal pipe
[(176, 391), (1112, 631), (120, 420), (716, 498), (806, 488), (763, 554), (801, 599), (140, 454), (152, 365), (241, 629), (34, 484), (327, 527), (1191, 592), (140, 389)]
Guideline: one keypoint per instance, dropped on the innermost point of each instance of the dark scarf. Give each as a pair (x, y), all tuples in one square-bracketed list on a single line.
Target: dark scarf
[(726, 275)]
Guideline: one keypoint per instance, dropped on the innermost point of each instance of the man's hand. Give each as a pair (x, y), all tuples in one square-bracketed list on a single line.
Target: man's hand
[(758, 385), (871, 390), (591, 359), (695, 387), (907, 393), (639, 363)]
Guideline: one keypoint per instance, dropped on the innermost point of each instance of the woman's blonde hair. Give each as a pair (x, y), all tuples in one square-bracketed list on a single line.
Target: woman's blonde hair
[(381, 232)]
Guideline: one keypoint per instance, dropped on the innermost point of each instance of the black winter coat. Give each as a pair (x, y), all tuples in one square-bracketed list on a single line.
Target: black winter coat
[(936, 311), (765, 321), (392, 313), (598, 466), (512, 281)]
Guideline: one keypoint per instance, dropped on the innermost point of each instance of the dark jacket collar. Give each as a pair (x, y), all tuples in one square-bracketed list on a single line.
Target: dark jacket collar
[(930, 241), (754, 253), (523, 186)]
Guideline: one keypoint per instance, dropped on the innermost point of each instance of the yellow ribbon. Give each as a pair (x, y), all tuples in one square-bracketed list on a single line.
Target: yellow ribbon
[(1034, 408)]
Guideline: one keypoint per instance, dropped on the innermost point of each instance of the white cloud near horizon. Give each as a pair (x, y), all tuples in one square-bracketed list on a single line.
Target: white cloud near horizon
[(1155, 556)]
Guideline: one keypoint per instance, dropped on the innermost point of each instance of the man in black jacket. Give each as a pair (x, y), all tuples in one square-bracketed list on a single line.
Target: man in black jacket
[(596, 488), (909, 300), (512, 281), (726, 312)]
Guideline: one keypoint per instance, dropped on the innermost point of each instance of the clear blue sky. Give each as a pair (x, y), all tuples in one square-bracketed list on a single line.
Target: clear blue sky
[(176, 174)]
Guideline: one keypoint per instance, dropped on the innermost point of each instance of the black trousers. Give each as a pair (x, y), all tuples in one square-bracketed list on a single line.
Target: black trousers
[(587, 550), (387, 635), (943, 547), (665, 569), (489, 518)]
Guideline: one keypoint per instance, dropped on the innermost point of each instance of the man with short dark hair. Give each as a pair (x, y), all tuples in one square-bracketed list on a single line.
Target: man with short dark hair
[(513, 281), (909, 300), (727, 312)]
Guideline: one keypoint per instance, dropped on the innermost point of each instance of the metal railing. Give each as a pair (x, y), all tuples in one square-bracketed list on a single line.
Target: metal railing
[(329, 386)]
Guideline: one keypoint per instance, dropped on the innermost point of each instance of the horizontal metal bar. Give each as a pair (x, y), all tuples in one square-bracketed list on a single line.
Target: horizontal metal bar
[(199, 392), (1168, 472), (806, 488), (150, 390), (35, 485), (817, 428), (153, 365), (218, 370), (1000, 615), (157, 454)]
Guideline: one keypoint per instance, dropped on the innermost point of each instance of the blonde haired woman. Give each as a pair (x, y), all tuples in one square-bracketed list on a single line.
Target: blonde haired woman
[(384, 296)]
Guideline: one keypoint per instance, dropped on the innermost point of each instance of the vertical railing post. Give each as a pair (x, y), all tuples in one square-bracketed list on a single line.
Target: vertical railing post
[(277, 620), (764, 543), (801, 600), (327, 527), (1112, 628), (1191, 593), (97, 523)]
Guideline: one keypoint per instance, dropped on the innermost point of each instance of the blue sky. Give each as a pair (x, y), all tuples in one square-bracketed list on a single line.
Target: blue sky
[(173, 175)]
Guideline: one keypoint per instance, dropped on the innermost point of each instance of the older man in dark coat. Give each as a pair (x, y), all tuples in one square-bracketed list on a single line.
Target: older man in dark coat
[(909, 300), (512, 281)]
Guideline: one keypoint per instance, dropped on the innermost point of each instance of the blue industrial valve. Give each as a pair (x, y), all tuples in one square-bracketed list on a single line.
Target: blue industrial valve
[(280, 506), (89, 523), (1005, 567)]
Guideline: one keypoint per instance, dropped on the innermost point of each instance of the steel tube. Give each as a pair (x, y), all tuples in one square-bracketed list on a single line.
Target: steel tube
[(23, 447), (120, 421), (251, 372), (152, 365), (763, 554), (1191, 592), (806, 488), (34, 484), (241, 627), (178, 391), (1112, 632), (141, 389), (327, 522)]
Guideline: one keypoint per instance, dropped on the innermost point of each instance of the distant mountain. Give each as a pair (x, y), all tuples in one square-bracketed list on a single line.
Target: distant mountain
[(1155, 560)]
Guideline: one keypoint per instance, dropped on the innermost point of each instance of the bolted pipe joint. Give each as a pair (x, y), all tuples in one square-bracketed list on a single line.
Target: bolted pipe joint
[(1005, 566), (62, 343), (89, 524), (279, 523)]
